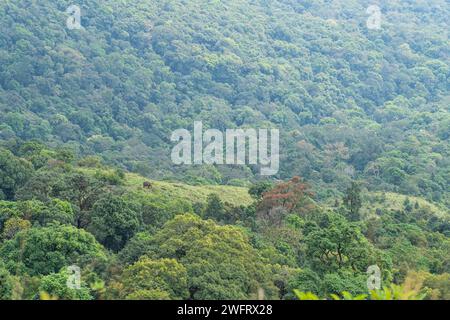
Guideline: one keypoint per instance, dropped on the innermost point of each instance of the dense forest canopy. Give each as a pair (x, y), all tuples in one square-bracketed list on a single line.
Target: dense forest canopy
[(86, 117), (351, 102)]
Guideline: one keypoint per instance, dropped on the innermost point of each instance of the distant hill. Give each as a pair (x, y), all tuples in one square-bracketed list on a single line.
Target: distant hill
[(351, 102)]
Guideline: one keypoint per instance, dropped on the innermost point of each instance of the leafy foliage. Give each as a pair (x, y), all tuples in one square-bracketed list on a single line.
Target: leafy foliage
[(55, 285), (154, 280), (113, 221), (86, 117), (351, 102), (14, 173), (41, 251)]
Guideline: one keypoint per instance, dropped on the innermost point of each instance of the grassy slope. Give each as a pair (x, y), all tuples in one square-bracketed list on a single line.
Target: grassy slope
[(233, 195), (395, 201)]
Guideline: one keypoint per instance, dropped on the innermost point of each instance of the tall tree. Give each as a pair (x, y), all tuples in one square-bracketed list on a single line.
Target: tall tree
[(285, 198), (353, 201), (41, 251), (215, 208), (113, 221), (149, 278), (14, 173)]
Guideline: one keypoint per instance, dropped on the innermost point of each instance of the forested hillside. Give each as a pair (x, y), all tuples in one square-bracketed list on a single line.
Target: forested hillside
[(86, 177), (175, 241), (351, 102)]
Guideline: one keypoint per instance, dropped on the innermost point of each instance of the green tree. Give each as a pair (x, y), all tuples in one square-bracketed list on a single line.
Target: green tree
[(220, 262), (13, 226), (215, 208), (41, 251), (335, 244), (83, 191), (6, 283), (53, 211), (55, 285), (41, 186), (159, 279), (14, 173), (258, 189), (59, 211), (113, 221), (353, 201), (141, 242), (345, 280), (308, 281)]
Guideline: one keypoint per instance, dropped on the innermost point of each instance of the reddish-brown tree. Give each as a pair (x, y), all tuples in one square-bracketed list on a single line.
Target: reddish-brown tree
[(287, 197)]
